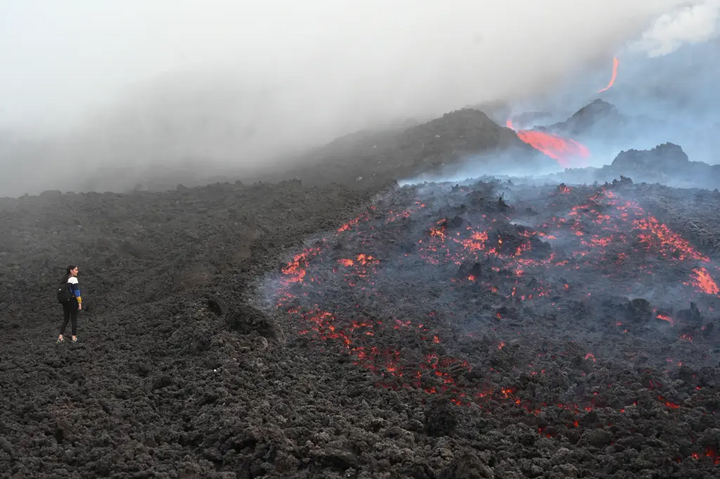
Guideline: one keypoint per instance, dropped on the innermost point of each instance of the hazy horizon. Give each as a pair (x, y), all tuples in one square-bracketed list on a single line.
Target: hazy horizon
[(164, 84)]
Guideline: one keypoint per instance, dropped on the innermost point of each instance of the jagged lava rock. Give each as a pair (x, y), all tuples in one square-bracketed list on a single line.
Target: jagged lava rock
[(665, 156)]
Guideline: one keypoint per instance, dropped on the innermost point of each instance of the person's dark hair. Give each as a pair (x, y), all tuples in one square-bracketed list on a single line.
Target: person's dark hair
[(67, 273)]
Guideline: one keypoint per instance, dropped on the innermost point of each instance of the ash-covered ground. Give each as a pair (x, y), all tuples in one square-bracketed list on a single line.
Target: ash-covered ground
[(433, 331), (568, 314), (365, 330)]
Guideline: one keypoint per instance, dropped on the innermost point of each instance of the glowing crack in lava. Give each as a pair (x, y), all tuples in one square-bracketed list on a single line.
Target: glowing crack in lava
[(704, 281), (485, 302), (616, 63), (567, 152)]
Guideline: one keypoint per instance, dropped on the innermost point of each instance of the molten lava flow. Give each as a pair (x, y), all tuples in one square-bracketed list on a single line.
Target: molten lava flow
[(660, 237), (614, 75), (565, 151), (668, 403), (348, 290), (295, 270), (704, 282)]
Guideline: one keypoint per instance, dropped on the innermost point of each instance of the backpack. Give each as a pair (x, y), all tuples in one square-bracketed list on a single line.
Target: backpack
[(64, 295)]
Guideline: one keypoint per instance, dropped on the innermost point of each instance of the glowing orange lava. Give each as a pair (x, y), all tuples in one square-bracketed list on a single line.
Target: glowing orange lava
[(669, 243), (565, 151), (616, 63), (592, 223), (668, 403), (704, 281)]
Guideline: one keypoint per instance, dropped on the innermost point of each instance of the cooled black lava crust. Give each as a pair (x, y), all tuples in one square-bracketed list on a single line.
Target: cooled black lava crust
[(436, 331)]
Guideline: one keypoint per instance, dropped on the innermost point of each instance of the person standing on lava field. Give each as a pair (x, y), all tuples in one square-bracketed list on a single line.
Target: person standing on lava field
[(71, 307)]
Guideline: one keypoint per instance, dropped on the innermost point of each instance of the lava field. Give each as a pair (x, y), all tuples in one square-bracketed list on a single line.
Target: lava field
[(435, 331), (260, 304), (572, 311)]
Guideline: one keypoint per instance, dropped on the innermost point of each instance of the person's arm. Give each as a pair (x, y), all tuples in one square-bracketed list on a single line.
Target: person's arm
[(75, 288)]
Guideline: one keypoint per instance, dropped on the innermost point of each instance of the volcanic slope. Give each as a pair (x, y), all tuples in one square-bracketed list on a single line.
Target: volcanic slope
[(365, 159), (436, 331), (442, 144)]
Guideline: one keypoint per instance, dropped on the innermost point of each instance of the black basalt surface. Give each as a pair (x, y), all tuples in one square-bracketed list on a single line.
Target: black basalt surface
[(437, 331)]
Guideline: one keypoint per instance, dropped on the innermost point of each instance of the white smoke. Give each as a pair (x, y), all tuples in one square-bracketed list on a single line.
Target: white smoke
[(129, 90), (693, 24)]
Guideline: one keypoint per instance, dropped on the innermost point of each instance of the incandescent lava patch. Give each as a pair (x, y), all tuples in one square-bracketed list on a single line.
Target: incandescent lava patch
[(565, 305)]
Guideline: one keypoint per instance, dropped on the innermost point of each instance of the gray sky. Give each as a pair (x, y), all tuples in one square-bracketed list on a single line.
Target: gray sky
[(174, 78), (62, 58)]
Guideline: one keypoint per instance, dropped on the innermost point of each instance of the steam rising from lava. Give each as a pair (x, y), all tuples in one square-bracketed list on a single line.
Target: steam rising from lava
[(691, 24)]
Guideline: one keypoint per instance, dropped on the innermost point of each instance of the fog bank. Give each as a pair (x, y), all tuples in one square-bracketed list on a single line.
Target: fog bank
[(144, 88)]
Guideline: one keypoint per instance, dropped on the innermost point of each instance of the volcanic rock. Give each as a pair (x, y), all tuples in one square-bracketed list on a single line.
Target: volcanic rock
[(467, 466), (599, 115), (666, 164), (135, 248), (440, 418), (360, 356), (639, 311), (468, 269), (664, 158), (454, 223), (691, 315), (602, 121), (622, 182), (596, 438), (248, 319)]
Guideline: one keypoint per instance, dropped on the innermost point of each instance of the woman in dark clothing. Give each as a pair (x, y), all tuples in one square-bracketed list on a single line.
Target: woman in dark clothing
[(71, 308)]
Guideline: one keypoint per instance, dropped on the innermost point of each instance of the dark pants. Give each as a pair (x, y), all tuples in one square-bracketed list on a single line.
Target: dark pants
[(70, 310)]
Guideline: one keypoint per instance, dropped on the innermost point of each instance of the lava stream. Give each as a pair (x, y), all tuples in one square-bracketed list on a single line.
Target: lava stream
[(614, 76), (565, 151)]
